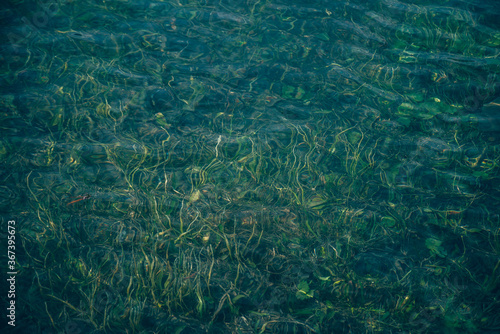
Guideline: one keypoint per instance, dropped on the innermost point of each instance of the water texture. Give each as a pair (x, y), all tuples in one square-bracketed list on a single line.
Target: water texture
[(252, 166)]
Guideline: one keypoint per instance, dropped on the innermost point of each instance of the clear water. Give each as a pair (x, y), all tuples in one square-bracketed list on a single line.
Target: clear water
[(252, 167)]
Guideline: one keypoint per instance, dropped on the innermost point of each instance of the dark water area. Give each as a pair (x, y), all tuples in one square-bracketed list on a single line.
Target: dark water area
[(250, 167)]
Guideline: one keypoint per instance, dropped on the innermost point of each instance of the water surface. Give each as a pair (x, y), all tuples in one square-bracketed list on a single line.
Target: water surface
[(252, 167)]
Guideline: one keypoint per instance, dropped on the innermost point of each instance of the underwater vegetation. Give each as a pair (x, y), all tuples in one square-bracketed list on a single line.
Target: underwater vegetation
[(252, 167)]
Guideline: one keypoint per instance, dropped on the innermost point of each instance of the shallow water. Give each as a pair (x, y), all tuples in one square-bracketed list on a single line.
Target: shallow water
[(314, 167)]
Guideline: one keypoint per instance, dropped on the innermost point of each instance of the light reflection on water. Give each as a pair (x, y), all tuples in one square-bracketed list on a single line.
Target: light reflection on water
[(316, 167)]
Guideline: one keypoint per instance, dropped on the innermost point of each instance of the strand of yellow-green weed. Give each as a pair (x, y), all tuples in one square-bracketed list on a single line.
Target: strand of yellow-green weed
[(201, 303), (159, 222), (296, 172), (50, 317), (241, 144), (210, 167), (91, 298), (130, 176), (255, 163), (255, 166), (307, 157), (332, 149), (198, 291), (180, 218), (221, 304), (222, 235), (29, 188), (80, 312), (182, 266), (188, 229), (251, 236), (351, 168), (150, 269), (290, 169), (237, 274), (238, 258), (137, 265)]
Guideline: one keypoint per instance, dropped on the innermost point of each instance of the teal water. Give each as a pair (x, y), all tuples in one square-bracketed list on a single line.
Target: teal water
[(251, 167)]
